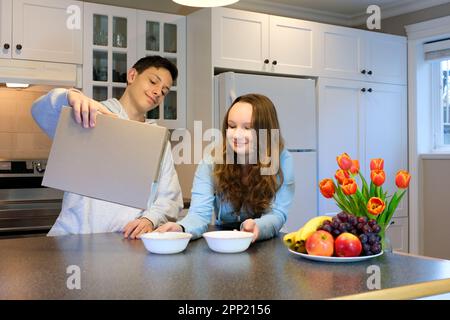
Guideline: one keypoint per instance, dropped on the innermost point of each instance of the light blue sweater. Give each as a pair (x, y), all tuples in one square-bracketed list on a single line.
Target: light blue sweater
[(204, 202)]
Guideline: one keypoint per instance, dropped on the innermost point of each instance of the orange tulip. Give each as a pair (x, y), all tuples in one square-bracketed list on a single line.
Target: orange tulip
[(344, 161), (375, 206), (355, 167), (327, 188), (378, 177), (402, 179), (349, 186), (341, 175), (376, 164)]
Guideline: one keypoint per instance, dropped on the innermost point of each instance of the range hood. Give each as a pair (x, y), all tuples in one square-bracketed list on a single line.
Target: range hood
[(39, 72)]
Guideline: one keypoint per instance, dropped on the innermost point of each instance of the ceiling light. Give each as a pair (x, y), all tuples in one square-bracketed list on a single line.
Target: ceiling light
[(17, 85), (205, 3)]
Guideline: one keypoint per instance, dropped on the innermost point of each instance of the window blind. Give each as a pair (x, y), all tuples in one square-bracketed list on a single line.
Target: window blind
[(437, 50)]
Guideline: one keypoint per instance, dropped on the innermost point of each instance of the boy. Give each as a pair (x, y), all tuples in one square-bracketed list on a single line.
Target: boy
[(148, 82)]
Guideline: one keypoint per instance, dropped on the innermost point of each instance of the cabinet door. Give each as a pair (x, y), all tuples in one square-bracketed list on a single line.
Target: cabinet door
[(398, 234), (385, 133), (5, 28), (240, 39), (386, 56), (292, 46), (40, 31), (165, 35), (339, 120), (110, 50), (342, 53)]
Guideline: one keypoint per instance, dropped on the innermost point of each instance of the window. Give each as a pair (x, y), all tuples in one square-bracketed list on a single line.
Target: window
[(445, 101), (441, 104)]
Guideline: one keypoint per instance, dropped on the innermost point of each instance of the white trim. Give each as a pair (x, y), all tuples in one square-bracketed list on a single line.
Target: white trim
[(299, 12), (418, 34), (435, 156)]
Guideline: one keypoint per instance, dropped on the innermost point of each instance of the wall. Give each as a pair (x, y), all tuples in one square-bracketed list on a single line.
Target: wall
[(20, 137), (396, 25), (436, 207)]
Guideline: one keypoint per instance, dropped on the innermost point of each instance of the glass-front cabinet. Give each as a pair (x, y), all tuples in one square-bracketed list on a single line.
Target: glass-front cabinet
[(164, 35), (115, 38)]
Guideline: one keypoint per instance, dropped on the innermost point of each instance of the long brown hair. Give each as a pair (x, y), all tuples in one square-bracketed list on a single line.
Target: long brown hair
[(257, 193)]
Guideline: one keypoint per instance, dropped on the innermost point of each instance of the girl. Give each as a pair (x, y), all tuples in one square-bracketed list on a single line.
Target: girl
[(256, 195)]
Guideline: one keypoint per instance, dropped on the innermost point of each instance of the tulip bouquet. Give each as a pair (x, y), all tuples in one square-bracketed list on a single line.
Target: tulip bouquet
[(369, 201)]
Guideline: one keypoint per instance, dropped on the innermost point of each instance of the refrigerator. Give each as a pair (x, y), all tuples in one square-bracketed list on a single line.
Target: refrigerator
[(295, 102)]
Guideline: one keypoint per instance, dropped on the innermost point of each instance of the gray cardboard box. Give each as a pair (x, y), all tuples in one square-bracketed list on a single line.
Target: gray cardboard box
[(118, 160)]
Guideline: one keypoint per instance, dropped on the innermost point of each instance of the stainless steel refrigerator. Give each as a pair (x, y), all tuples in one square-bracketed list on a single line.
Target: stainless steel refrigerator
[(295, 101)]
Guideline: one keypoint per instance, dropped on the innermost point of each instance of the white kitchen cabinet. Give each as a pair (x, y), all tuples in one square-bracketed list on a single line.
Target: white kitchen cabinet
[(165, 35), (38, 30), (278, 44), (366, 120), (398, 234), (355, 54), (116, 38)]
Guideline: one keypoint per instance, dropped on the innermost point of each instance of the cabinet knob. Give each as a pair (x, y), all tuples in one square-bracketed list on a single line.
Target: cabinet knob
[(274, 62), (6, 46), (370, 89), (363, 71), (369, 72), (266, 61), (363, 90), (19, 47)]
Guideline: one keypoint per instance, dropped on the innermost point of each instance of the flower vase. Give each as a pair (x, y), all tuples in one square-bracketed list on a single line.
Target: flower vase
[(386, 245)]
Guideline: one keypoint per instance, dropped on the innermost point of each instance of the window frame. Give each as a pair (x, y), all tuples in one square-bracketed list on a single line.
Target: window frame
[(437, 113)]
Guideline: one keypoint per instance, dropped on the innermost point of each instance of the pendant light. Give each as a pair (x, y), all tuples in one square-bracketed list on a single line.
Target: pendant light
[(205, 3)]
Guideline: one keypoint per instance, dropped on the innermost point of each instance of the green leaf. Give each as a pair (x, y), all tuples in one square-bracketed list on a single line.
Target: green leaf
[(365, 189), (393, 205), (372, 190)]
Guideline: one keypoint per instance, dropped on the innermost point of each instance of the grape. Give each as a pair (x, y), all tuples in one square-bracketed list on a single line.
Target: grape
[(342, 216), (376, 228), (326, 222), (372, 239), (366, 229), (342, 227), (359, 226), (362, 220), (336, 233), (354, 231), (352, 220), (327, 228), (363, 238), (335, 219), (335, 224), (372, 222), (376, 248)]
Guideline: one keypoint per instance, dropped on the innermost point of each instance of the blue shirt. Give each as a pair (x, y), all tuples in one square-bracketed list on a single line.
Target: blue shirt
[(205, 202)]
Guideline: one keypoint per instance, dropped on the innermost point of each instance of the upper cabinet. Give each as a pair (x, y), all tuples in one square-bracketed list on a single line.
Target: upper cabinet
[(278, 44), (355, 54), (116, 38), (44, 30)]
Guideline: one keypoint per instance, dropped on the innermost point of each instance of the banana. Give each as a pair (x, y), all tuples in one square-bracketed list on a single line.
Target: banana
[(289, 240), (308, 229)]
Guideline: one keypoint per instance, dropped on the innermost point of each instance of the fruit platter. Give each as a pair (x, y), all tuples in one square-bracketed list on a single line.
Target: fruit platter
[(341, 238)]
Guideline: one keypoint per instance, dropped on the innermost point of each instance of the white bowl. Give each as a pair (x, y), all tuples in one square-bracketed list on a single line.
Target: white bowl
[(166, 242), (228, 241)]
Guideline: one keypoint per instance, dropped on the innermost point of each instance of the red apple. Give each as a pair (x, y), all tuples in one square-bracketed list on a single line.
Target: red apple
[(347, 245), (320, 243)]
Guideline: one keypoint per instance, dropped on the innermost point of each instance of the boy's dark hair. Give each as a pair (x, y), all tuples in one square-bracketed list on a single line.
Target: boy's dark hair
[(157, 62)]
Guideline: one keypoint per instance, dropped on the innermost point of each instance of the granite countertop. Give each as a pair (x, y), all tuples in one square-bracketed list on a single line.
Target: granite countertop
[(115, 268)]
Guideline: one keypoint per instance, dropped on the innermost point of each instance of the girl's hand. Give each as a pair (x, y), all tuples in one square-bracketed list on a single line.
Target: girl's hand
[(134, 229), (169, 226), (250, 225)]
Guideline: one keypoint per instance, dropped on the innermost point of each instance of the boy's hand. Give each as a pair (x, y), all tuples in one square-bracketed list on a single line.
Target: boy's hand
[(85, 109), (135, 228), (250, 225)]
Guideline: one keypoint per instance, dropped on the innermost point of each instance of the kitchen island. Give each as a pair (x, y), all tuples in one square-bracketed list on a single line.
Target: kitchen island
[(110, 267)]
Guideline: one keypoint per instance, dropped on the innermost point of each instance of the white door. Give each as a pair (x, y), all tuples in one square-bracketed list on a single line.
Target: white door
[(240, 39), (294, 56), (40, 31), (338, 129), (304, 205), (5, 28), (386, 55), (398, 234), (342, 53), (385, 133)]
